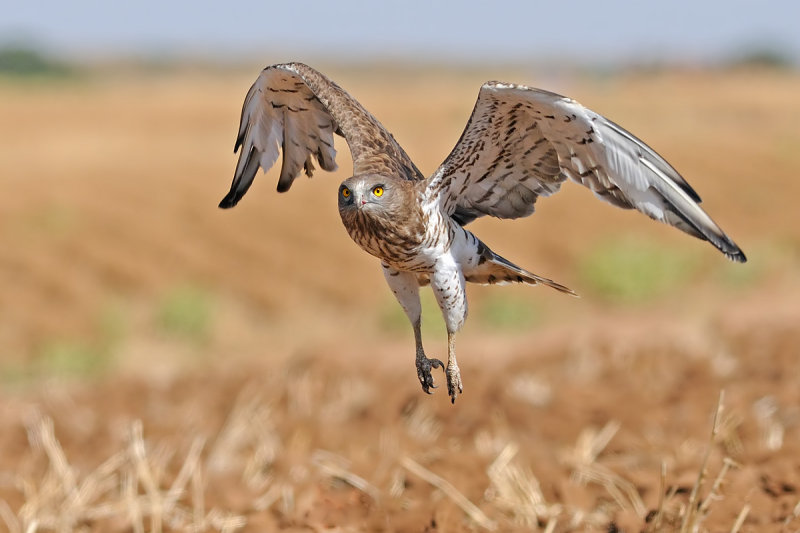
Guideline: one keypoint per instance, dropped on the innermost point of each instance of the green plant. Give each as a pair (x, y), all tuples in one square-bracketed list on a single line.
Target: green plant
[(633, 271), (186, 311), (71, 357), (503, 310)]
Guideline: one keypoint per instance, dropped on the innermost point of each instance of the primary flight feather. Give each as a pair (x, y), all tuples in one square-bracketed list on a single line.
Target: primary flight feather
[(520, 143)]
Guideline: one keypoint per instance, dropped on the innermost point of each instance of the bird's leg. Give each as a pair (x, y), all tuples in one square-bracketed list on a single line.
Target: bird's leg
[(448, 283), (454, 387), (405, 287), (424, 364)]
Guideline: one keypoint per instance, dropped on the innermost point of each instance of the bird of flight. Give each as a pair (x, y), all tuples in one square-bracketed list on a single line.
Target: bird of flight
[(520, 143)]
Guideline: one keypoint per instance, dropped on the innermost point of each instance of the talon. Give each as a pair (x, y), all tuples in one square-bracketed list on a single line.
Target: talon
[(424, 366), (454, 386)]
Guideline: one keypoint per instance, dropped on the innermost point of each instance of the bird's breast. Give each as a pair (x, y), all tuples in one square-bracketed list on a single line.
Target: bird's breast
[(396, 240)]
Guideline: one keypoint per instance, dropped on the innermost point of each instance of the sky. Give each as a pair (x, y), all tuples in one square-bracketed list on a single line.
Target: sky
[(586, 31)]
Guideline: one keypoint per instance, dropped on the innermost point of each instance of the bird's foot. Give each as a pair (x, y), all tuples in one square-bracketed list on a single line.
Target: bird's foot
[(454, 386), (424, 366)]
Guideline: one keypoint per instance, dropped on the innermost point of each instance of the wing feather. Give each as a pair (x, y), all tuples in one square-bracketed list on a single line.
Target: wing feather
[(293, 109), (521, 143)]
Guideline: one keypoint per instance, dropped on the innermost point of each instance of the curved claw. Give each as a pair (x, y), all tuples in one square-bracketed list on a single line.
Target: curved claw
[(424, 366), (454, 386)]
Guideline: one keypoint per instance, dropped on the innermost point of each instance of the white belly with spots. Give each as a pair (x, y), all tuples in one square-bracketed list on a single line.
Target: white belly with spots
[(448, 284)]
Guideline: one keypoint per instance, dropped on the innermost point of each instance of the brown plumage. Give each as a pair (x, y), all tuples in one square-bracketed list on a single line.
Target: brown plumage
[(520, 143), (396, 230)]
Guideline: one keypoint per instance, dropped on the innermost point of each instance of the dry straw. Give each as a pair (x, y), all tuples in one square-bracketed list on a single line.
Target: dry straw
[(451, 492), (129, 485)]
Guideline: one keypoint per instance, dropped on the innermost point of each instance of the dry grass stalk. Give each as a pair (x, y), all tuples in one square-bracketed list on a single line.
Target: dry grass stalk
[(9, 518), (198, 498), (265, 501), (669, 512), (61, 500), (583, 460), (337, 466), (659, 516), (591, 444), (397, 482), (714, 494), (451, 492), (236, 435), (691, 517), (52, 503), (621, 490), (793, 516), (551, 525), (41, 433), (518, 490), (248, 441), (728, 434), (145, 475), (287, 499), (162, 507), (740, 519), (130, 496), (224, 522), (187, 472), (421, 424)]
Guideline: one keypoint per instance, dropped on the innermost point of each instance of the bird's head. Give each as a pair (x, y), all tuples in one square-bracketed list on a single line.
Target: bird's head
[(370, 194), (380, 211)]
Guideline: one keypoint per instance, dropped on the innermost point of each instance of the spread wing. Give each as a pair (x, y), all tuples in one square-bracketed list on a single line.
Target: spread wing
[(521, 143), (295, 109)]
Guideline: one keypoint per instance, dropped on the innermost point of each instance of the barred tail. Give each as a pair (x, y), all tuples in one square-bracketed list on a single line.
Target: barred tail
[(493, 269)]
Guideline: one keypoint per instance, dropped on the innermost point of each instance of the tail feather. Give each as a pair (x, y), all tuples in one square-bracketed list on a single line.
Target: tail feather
[(493, 269)]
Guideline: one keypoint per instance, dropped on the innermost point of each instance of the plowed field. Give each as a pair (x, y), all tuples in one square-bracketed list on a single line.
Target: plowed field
[(168, 366)]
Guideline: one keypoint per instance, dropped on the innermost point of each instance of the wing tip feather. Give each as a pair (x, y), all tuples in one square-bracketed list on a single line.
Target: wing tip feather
[(284, 185), (230, 200), (737, 255)]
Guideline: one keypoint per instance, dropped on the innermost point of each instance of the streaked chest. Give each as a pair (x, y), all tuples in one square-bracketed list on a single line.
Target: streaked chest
[(396, 238)]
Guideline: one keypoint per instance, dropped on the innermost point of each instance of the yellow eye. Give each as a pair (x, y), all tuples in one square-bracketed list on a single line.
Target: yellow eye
[(377, 191), (346, 192)]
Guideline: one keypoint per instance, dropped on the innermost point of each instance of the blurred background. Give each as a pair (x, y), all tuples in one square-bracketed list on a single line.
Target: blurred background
[(116, 135), (243, 349)]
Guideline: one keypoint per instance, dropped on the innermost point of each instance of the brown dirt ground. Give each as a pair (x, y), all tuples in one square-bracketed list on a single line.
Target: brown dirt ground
[(296, 407)]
